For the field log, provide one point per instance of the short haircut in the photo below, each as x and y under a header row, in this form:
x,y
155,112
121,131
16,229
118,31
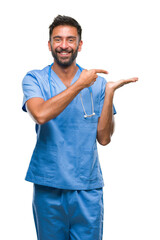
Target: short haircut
x,y
65,20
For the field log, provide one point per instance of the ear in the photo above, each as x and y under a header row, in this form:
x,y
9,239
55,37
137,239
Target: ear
x,y
49,45
80,46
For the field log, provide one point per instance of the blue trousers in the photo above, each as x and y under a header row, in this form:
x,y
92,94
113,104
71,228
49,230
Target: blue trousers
x,y
61,214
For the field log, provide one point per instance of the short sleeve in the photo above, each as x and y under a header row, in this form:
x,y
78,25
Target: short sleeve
x,y
31,88
104,82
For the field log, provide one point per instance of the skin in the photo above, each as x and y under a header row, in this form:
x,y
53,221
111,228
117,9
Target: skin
x,y
65,38
65,42
106,121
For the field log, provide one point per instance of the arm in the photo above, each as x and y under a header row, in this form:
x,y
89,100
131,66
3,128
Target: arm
x,y
43,111
105,127
106,121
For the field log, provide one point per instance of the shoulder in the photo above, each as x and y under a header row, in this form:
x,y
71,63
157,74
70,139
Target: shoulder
x,y
100,84
101,80
38,72
36,75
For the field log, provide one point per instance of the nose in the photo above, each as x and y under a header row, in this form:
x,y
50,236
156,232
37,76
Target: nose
x,y
64,44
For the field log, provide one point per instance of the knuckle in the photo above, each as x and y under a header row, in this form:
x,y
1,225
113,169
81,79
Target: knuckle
x,y
92,70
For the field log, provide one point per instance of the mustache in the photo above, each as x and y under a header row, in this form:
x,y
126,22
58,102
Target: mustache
x,y
64,50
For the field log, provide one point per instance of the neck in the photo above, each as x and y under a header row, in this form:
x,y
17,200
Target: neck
x,y
66,73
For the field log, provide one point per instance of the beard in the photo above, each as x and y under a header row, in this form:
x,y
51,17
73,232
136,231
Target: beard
x,y
65,62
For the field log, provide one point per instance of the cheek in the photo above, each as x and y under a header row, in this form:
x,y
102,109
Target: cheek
x,y
56,47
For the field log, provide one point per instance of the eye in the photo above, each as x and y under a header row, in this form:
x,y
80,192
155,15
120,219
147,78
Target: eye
x,y
71,40
57,40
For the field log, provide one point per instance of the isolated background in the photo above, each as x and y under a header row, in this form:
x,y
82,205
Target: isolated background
x,y
121,36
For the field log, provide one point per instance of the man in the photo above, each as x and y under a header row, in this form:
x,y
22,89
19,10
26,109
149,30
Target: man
x,y
72,108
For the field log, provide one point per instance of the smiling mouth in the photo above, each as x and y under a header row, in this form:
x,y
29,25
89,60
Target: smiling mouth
x,y
64,53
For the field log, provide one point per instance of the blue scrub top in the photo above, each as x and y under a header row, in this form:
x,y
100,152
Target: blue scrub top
x,y
65,155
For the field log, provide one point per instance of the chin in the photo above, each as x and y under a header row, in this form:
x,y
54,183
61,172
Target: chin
x,y
65,63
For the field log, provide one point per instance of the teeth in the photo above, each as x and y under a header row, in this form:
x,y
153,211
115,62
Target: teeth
x,y
64,53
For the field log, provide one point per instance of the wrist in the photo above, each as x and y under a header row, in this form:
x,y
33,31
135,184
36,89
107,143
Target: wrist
x,y
79,86
109,91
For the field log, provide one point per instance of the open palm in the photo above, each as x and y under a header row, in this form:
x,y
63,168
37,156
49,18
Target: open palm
x,y
120,83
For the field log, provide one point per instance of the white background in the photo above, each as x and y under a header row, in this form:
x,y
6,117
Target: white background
x,y
121,36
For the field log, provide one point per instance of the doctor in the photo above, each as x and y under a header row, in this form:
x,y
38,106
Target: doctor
x,y
73,109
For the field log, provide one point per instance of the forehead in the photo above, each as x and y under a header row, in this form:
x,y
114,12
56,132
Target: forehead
x,y
65,31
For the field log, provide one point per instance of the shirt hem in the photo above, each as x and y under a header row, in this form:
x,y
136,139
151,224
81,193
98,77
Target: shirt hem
x,y
48,183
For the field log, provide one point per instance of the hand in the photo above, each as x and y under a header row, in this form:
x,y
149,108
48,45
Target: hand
x,y
88,77
112,86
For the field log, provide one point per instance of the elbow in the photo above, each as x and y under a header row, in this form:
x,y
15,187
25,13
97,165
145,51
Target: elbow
x,y
42,119
39,119
37,114
103,138
105,142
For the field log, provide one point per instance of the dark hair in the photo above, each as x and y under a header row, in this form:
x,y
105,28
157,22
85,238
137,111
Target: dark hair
x,y
65,20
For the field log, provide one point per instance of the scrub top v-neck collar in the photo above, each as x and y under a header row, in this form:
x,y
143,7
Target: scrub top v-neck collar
x,y
55,78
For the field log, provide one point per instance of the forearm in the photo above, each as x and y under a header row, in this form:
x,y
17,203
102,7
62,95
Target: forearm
x,y
106,122
43,111
51,108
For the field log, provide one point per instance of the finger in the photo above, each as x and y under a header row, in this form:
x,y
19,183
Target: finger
x,y
101,71
132,79
125,81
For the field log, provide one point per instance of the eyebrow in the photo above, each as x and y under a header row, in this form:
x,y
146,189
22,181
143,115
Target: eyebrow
x,y
61,37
